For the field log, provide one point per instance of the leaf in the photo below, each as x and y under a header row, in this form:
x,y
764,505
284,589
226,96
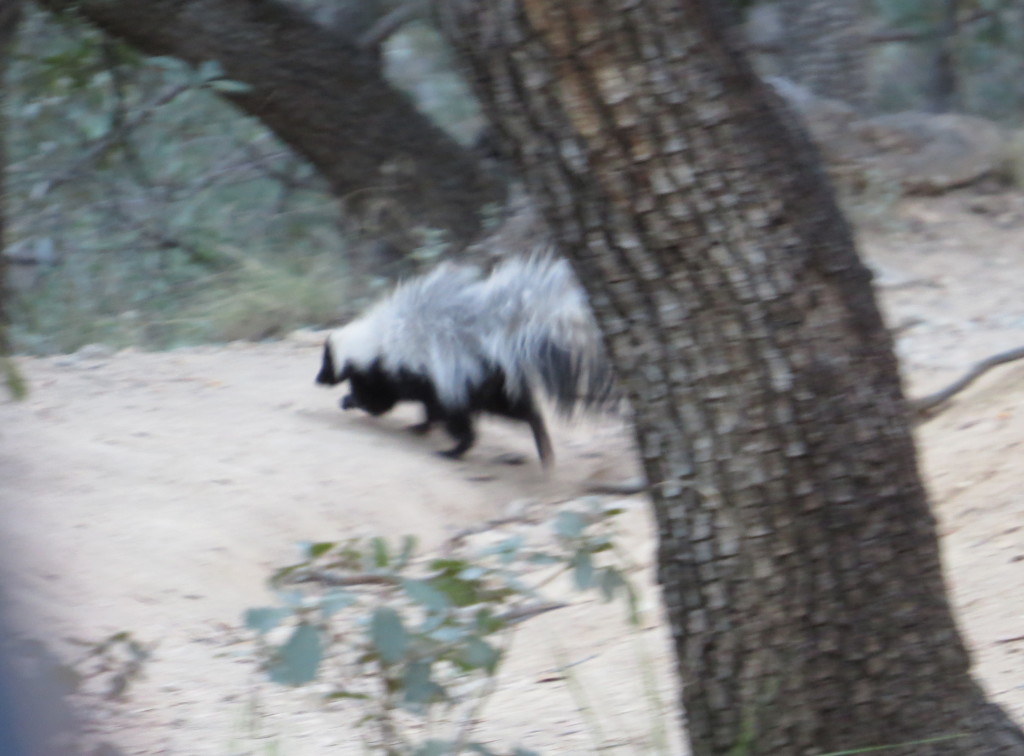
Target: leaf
x,y
569,524
487,623
292,599
517,586
264,619
446,634
278,577
335,601
423,593
168,63
380,552
472,573
449,566
388,635
209,69
432,621
480,748
94,125
229,86
610,581
418,686
583,570
435,748
633,602
506,548
314,550
479,654
408,549
297,660
343,694
542,557
459,592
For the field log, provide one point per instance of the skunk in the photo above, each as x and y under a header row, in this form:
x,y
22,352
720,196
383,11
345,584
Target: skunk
x,y
462,343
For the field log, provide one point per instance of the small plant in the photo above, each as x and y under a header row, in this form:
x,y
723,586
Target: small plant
x,y
114,663
420,640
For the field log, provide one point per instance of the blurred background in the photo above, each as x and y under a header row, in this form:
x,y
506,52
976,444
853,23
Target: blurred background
x,y
143,209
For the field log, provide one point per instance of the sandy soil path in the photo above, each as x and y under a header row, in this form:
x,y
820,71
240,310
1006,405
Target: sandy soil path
x,y
154,493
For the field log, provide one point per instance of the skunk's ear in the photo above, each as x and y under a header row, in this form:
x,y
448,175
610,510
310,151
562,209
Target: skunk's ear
x,y
326,375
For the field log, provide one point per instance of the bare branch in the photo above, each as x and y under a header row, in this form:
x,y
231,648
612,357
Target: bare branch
x,y
327,99
327,577
885,36
924,406
390,23
117,136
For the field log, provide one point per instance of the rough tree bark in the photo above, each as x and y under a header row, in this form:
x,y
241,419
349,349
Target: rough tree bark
x,y
942,90
323,94
10,15
798,556
824,47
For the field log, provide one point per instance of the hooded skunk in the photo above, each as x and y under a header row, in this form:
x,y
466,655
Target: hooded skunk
x,y
463,344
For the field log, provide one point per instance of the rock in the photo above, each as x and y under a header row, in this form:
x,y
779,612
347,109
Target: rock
x,y
923,153
1013,157
930,153
95,352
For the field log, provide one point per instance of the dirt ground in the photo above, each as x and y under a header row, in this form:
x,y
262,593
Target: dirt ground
x,y
155,493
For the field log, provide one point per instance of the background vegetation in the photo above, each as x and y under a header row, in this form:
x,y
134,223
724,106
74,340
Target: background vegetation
x,y
144,210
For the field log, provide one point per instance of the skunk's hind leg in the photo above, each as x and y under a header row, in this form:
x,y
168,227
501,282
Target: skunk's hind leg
x,y
540,437
524,408
460,427
432,414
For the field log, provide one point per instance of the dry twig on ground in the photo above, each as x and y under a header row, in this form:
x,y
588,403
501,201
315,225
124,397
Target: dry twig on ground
x,y
925,407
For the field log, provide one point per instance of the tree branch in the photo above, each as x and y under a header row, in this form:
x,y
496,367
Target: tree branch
x,y
118,135
390,23
923,407
325,97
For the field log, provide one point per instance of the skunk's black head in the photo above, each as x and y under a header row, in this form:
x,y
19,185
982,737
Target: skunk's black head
x,y
350,354
373,390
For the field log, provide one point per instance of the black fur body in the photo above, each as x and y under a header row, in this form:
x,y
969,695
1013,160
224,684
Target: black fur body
x,y
463,345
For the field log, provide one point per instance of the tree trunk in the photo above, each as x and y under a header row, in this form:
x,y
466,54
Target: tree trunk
x,y
824,47
942,89
396,173
798,557
10,15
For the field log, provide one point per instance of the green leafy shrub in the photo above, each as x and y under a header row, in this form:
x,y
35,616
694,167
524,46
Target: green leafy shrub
x,y
414,636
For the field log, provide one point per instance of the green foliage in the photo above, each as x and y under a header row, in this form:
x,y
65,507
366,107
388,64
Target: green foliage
x,y
13,379
297,660
155,214
429,634
909,15
985,48
115,663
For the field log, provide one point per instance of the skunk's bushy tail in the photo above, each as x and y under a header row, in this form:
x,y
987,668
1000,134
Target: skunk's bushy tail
x,y
539,330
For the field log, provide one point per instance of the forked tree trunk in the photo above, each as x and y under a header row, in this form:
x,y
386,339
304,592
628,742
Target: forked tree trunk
x,y
396,173
798,556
